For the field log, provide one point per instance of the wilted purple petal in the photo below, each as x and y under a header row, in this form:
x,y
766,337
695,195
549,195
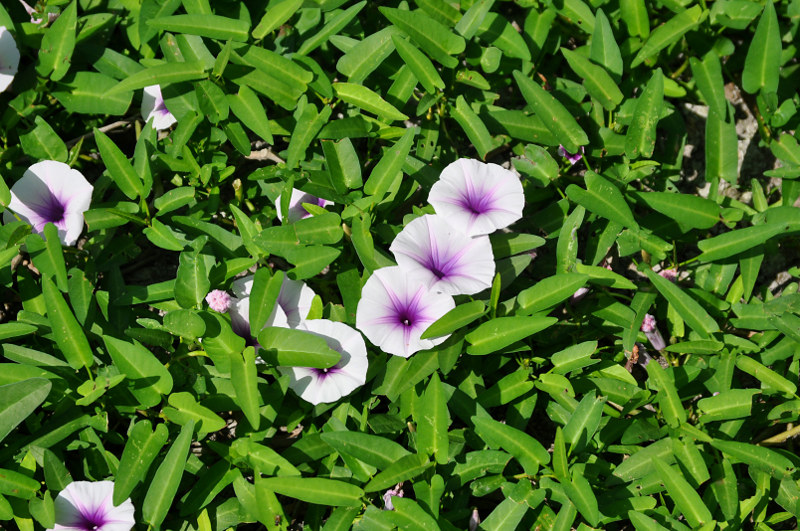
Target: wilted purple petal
x,y
88,506
395,310
329,385
51,192
296,209
479,198
153,106
397,490
670,274
571,157
651,331
9,58
444,258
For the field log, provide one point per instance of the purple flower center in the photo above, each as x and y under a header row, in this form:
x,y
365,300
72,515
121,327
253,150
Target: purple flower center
x,y
92,519
324,373
51,209
161,107
475,201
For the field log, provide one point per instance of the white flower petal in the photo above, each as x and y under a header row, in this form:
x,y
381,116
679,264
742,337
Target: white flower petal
x,y
9,58
479,197
242,287
153,106
444,258
316,386
395,309
296,209
51,191
82,500
295,300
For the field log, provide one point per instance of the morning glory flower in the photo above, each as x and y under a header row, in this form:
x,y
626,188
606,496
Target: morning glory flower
x,y
395,310
88,506
296,210
571,157
443,257
329,385
9,58
479,198
153,106
51,192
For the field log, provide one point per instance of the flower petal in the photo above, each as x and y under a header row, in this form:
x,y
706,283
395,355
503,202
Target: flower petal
x,y
479,197
9,58
295,300
91,501
443,257
296,209
153,106
395,309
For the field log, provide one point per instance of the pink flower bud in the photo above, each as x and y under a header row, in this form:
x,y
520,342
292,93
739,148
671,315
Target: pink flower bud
x,y
652,333
219,301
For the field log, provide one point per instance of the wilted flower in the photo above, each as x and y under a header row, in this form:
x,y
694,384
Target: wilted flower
x,y
88,506
474,520
296,209
329,385
9,58
571,157
652,333
670,274
51,192
395,310
477,197
444,258
153,106
218,300
397,490
40,18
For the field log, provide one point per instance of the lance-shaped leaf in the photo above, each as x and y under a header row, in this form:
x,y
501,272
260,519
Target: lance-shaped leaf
x,y
602,198
245,385
162,75
263,296
433,37
722,148
405,468
420,65
553,114
765,375
363,58
763,62
321,491
766,459
549,291
371,449
336,24
598,83
737,241
68,334
635,17
472,125
671,407
58,43
296,348
604,49
366,99
525,449
140,451
20,399
192,282
501,332
688,308
204,25
640,139
119,168
167,478
433,419
686,499
275,16
691,211
308,125
387,169
455,319
138,363
669,33
708,76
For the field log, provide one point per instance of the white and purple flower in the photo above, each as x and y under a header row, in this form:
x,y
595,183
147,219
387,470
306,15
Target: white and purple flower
x,y
296,209
153,106
9,58
329,385
51,192
88,506
395,310
444,258
478,197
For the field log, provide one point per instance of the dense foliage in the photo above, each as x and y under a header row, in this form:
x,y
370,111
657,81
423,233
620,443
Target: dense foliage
x,y
631,361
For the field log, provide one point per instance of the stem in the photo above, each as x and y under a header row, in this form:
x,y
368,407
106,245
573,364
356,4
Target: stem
x,y
782,437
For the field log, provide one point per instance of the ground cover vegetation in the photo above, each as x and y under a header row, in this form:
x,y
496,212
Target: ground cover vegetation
x,y
327,264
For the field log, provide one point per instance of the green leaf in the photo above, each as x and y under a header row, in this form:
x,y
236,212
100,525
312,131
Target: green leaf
x,y
420,65
433,421
671,406
192,282
408,514
472,125
371,449
321,491
602,198
296,348
187,409
141,449
163,75
553,114
138,363
640,139
403,469
635,17
58,43
763,62
366,99
691,211
174,199
598,83
88,93
737,241
669,33
580,493
549,291
501,332
722,148
167,478
18,400
118,166
212,101
726,491
211,26
308,125
68,334
708,76
245,384
337,23
433,37
17,484
387,169
263,297
343,164
604,49
470,21
584,422
525,449
47,255
686,499
363,58
691,312
275,17
43,142
574,357
457,318
766,376
759,457
247,108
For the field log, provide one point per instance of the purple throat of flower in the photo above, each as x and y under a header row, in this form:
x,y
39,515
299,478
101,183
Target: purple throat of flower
x,y
324,373
51,209
477,203
92,519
